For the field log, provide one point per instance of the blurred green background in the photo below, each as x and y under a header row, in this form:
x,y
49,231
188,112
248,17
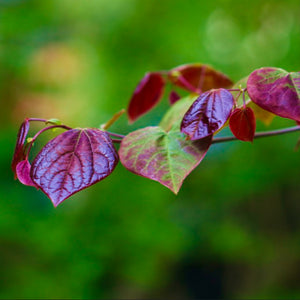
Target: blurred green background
x,y
233,231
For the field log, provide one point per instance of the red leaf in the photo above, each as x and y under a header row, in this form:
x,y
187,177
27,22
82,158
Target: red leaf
x,y
198,77
207,114
146,95
19,154
72,161
23,173
242,124
173,97
277,91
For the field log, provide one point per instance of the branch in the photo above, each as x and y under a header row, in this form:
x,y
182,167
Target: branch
x,y
257,135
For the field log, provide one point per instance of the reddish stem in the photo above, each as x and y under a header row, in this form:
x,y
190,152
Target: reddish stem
x,y
40,132
257,135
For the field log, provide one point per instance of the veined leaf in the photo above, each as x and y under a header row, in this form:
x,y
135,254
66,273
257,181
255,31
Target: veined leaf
x,y
72,161
277,91
242,124
146,95
207,114
166,157
198,77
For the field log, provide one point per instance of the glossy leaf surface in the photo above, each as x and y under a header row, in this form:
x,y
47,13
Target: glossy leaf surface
x,y
242,124
166,157
277,91
73,161
19,154
146,95
23,173
207,114
198,77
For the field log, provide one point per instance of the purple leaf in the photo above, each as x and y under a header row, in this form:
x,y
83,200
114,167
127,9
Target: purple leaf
x,y
207,114
146,95
23,173
277,91
72,161
166,157
19,154
173,97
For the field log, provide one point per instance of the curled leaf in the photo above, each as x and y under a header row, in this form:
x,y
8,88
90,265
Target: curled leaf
x,y
166,157
277,91
198,77
72,161
242,124
207,114
146,95
23,173
19,153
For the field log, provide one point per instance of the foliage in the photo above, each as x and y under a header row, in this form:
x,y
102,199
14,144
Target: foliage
x,y
78,158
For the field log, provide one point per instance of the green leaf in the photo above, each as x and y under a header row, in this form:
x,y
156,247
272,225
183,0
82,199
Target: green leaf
x,y
166,157
176,112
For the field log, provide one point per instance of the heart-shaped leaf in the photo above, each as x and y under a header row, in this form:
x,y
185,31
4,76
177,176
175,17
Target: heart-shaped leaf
x,y
207,114
198,77
23,173
277,91
242,124
19,154
146,95
72,161
166,157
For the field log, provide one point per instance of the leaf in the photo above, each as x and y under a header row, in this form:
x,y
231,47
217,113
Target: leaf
x,y
173,97
23,173
176,112
19,153
166,157
72,161
242,124
207,114
261,114
277,91
146,95
198,77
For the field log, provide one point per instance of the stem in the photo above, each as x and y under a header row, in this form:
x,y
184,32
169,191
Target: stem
x,y
234,90
115,117
37,119
41,131
116,134
257,135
